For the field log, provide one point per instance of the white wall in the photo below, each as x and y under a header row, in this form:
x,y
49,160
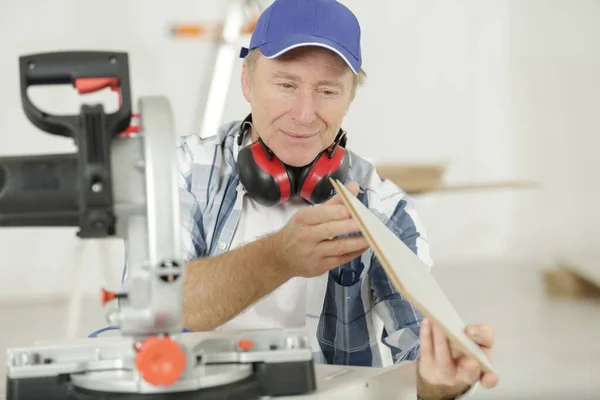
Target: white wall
x,y
555,96
499,89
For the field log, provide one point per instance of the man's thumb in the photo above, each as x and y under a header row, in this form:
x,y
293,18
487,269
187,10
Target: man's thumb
x,y
337,199
353,187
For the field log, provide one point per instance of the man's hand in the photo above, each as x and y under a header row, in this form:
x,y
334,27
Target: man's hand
x,y
446,372
309,245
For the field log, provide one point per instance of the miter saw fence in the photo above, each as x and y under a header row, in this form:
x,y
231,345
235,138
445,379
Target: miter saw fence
x,y
122,182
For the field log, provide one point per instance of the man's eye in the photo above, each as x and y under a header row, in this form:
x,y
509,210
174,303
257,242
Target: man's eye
x,y
287,85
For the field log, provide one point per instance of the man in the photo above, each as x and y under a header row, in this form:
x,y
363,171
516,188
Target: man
x,y
268,247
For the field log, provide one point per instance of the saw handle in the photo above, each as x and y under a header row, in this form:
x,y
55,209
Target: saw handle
x,y
73,68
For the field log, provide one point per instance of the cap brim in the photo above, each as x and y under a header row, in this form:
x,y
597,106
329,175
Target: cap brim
x,y
275,48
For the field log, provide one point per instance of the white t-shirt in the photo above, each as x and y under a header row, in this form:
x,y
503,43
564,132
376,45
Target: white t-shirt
x,y
285,306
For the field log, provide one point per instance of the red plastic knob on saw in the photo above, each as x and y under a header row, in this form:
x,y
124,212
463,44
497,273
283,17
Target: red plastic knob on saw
x,y
160,361
107,296
245,344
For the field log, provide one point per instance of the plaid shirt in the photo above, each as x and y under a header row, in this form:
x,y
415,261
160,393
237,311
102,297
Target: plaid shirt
x,y
342,305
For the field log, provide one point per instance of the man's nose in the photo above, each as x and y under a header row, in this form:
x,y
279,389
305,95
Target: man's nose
x,y
305,108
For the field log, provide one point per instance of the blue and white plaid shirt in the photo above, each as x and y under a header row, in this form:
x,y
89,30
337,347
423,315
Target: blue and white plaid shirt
x,y
342,305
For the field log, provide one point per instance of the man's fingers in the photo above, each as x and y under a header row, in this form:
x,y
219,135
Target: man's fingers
x,y
353,188
481,334
337,199
468,370
336,261
331,230
489,380
443,358
343,246
325,213
455,351
488,352
427,359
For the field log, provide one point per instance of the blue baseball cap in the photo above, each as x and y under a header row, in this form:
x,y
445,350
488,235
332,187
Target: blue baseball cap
x,y
288,24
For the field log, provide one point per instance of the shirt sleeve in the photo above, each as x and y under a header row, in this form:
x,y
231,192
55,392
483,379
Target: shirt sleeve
x,y
469,393
465,396
400,319
193,243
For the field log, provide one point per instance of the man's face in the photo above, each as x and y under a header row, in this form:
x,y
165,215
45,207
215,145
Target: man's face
x,y
298,101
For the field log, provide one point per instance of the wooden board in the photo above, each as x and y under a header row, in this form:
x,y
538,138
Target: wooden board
x,y
565,283
414,178
583,265
411,277
417,179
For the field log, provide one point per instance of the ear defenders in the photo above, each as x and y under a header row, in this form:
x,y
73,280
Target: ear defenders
x,y
269,181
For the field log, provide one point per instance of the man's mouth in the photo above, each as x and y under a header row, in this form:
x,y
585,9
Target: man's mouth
x,y
298,136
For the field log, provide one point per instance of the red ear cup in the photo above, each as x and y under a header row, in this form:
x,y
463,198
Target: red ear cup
x,y
269,182
314,181
263,175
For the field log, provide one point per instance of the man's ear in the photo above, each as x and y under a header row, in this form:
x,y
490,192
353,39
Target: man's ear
x,y
246,83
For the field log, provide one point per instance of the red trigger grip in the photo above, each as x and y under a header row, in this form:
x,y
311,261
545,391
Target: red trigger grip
x,y
89,85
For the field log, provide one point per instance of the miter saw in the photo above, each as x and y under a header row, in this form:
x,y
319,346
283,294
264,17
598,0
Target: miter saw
x,y
125,185
122,182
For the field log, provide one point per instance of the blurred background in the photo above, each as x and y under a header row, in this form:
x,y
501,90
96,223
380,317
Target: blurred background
x,y
487,93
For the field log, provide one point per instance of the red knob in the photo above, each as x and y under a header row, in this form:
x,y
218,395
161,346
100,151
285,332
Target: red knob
x,y
107,296
245,344
160,361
